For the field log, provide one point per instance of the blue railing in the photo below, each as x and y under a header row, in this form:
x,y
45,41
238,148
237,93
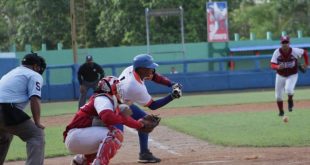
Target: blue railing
x,y
224,78
185,65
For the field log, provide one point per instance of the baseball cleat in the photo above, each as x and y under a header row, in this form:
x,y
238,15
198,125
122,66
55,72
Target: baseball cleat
x,y
281,113
79,160
148,157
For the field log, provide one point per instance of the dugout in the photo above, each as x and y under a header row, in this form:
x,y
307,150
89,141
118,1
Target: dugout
x,y
258,48
8,61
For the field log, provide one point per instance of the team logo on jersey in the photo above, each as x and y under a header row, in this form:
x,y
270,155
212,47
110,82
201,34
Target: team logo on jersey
x,y
289,64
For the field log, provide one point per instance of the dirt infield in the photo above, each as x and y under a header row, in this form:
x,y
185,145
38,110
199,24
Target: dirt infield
x,y
176,148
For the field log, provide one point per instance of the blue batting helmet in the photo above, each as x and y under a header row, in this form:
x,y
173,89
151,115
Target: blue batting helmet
x,y
144,61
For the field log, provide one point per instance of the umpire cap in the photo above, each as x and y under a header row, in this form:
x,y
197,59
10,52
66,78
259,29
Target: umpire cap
x,y
34,58
89,58
144,61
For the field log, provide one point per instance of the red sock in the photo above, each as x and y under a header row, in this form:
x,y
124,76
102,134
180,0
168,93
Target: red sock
x,y
280,105
90,158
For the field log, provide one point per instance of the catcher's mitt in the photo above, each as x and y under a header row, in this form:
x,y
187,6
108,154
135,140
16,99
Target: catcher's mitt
x,y
149,123
301,68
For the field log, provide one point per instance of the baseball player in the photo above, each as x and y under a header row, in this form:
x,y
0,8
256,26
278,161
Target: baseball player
x,y
17,88
91,132
133,90
285,61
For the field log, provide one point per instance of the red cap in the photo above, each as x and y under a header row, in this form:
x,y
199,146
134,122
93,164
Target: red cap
x,y
285,39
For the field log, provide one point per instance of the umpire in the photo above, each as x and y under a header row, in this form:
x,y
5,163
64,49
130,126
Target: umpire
x,y
89,75
17,88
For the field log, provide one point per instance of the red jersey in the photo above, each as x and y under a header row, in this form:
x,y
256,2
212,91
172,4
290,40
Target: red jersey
x,y
102,106
288,60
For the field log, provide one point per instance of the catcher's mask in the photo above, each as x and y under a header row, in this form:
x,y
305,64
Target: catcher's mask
x,y
34,59
109,85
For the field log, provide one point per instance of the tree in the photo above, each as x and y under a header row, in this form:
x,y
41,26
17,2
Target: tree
x,y
293,15
274,16
123,22
104,23
43,21
252,18
8,19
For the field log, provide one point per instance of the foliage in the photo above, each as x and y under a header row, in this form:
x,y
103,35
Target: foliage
x,y
274,16
253,19
4,34
102,23
7,23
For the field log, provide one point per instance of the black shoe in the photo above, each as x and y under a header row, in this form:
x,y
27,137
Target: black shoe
x,y
290,105
281,113
148,157
79,159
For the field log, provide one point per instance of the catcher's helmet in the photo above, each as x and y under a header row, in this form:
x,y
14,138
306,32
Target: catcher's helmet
x,y
110,86
144,61
34,58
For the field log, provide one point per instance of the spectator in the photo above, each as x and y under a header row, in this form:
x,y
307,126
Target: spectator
x,y
89,75
173,70
17,88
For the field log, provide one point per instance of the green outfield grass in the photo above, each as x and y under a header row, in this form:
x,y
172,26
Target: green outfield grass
x,y
188,100
261,129
54,145
233,97
255,129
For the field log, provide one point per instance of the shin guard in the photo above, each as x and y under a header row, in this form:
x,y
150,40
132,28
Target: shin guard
x,y
108,147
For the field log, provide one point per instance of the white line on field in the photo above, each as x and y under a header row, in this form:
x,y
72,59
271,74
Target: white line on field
x,y
155,143
211,162
300,162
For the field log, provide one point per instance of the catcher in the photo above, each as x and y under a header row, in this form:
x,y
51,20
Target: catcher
x,y
285,61
91,134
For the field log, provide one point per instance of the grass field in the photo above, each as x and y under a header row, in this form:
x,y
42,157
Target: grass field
x,y
259,129
188,100
254,129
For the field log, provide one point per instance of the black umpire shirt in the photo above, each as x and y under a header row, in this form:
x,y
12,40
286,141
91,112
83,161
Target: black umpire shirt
x,y
90,72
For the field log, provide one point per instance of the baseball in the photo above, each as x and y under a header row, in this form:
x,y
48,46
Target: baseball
x,y
285,119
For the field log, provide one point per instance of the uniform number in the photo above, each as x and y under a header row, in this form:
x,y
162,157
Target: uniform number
x,y
38,86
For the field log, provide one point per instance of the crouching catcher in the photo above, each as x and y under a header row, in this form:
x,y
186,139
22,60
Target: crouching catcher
x,y
91,134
